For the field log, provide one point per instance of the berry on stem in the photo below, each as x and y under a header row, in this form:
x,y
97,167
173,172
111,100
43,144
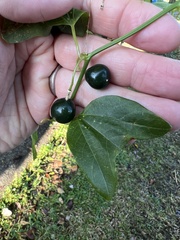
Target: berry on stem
x,y
98,76
63,110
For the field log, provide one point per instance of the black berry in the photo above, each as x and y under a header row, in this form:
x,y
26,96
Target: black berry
x,y
62,110
98,76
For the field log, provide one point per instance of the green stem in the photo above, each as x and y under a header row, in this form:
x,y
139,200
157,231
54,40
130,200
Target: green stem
x,y
134,31
86,62
75,39
118,40
73,76
34,140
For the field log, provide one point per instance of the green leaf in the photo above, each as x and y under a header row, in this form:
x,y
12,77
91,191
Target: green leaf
x,y
13,32
100,132
95,155
77,18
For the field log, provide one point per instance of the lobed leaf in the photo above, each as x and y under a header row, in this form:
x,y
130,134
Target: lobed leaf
x,y
99,133
13,32
77,18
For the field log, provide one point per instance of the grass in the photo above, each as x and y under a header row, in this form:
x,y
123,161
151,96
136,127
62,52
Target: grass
x,y
53,200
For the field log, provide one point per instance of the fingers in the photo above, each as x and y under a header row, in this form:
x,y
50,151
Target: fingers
x,y
165,108
113,21
147,73
117,19
36,11
36,78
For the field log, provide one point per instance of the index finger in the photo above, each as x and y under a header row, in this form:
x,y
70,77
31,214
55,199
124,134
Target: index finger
x,y
118,18
36,11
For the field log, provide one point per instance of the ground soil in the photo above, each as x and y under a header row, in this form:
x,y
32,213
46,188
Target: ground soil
x,y
13,162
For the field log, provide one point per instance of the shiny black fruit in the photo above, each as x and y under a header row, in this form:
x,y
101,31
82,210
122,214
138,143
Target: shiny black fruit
x,y
98,76
62,110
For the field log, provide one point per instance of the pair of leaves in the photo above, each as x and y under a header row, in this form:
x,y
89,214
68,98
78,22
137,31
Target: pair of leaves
x,y
100,132
13,32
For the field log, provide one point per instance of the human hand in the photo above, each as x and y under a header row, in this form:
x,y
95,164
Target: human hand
x,y
25,68
156,79
25,96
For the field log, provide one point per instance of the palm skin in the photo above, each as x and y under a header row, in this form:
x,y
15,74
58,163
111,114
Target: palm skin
x,y
25,97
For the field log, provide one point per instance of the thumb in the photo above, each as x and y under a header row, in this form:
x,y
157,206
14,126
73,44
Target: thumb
x,y
36,11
